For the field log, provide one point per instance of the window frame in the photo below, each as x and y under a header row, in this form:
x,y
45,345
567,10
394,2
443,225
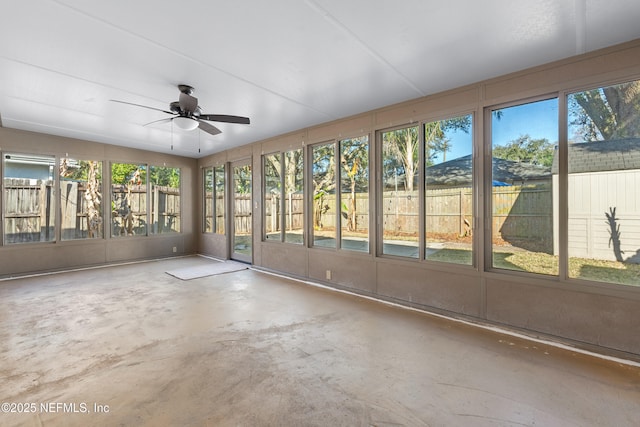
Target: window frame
x,y
205,171
102,204
280,204
147,215
220,170
283,234
473,187
487,185
339,185
564,186
153,228
336,236
55,198
420,192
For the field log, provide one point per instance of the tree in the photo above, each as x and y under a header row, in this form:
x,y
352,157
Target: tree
x,y
89,172
400,151
293,169
354,158
435,136
527,150
122,173
435,141
324,181
164,176
401,147
607,113
242,179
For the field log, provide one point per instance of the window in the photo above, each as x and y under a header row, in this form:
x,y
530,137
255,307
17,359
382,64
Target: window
x,y
272,197
341,216
448,148
128,199
213,200
354,194
400,199
29,198
219,199
208,219
242,226
324,195
165,199
81,199
294,196
603,181
284,193
523,145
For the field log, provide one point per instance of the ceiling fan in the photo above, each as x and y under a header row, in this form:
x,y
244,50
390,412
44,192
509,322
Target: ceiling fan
x,y
187,114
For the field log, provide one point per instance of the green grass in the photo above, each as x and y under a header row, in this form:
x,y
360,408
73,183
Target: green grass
x,y
541,263
456,256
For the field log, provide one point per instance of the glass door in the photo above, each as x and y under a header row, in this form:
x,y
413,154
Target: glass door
x,y
241,228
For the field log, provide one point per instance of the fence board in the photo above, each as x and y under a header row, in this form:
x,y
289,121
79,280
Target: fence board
x,y
29,214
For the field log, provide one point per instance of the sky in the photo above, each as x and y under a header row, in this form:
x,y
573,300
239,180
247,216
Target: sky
x,y
536,119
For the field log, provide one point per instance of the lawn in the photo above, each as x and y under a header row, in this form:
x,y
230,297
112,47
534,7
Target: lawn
x,y
542,263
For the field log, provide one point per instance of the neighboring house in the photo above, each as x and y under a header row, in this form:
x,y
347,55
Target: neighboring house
x,y
27,200
28,167
458,173
603,200
602,156
522,202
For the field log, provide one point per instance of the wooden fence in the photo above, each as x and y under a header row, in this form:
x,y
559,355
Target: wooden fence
x,y
449,211
129,210
209,221
242,210
30,213
294,212
522,215
165,209
74,217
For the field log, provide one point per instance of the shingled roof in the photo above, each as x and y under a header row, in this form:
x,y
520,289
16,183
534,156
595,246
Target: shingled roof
x,y
457,172
600,156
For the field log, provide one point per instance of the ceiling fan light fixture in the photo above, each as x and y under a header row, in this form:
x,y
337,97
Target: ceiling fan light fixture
x,y
187,115
185,123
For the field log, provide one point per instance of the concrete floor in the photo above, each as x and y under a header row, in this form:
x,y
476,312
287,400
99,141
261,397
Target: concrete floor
x,y
131,345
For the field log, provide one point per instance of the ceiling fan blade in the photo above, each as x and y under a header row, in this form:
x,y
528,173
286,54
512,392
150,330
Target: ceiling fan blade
x,y
143,106
160,121
225,118
209,128
188,103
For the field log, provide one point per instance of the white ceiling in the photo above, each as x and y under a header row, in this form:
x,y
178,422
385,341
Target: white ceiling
x,y
286,64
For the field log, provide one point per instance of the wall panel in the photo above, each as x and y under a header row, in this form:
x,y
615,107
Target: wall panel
x,y
606,321
284,257
450,291
433,107
353,271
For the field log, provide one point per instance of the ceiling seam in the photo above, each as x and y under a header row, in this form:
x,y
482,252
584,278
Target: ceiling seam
x,y
336,23
178,53
71,76
581,26
89,136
